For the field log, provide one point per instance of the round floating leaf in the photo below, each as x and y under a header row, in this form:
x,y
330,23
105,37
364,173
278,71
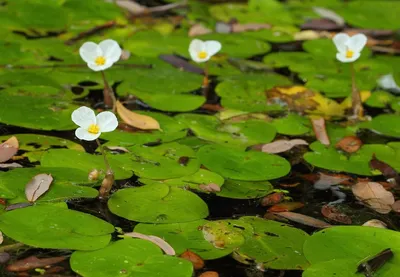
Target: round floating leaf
x,y
63,187
52,227
276,245
86,162
245,189
347,268
292,125
246,92
201,177
185,236
385,124
163,161
130,258
240,165
157,204
380,99
241,134
23,79
171,130
353,243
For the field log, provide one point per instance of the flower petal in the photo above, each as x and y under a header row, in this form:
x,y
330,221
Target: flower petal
x,y
107,121
111,50
195,47
340,40
213,47
83,117
357,42
93,66
83,134
342,57
89,51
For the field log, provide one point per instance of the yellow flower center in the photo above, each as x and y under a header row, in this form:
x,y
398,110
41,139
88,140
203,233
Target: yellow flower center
x,y
349,54
100,60
202,55
94,129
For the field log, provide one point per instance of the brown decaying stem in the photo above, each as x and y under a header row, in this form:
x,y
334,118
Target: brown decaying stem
x,y
355,95
108,93
108,181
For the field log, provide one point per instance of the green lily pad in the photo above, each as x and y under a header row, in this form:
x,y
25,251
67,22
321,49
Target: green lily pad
x,y
52,227
245,189
67,158
292,125
246,92
131,258
276,245
384,124
239,134
163,161
185,236
353,243
395,105
225,234
157,204
24,79
240,165
171,130
379,99
64,185
201,177
347,268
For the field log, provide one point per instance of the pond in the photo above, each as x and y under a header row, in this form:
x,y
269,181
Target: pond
x,y
199,138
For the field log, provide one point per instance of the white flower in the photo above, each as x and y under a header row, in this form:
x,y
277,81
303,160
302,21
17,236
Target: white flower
x,y
100,56
387,82
202,51
349,48
90,125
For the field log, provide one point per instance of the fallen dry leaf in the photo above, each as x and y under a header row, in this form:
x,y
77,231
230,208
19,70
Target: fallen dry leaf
x,y
329,14
11,165
272,199
165,246
332,213
209,274
118,148
350,144
285,207
195,259
198,30
8,149
1,237
387,171
136,120
304,219
210,187
325,181
374,195
18,206
375,223
282,145
37,186
33,262
320,130
396,206
238,28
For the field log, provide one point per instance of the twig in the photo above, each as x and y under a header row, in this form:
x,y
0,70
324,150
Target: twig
x,y
91,32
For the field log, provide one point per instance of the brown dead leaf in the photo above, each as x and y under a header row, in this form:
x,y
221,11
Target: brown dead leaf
x,y
375,223
11,165
272,199
33,262
198,30
1,237
118,148
165,246
285,207
387,171
209,274
332,213
210,187
8,149
325,181
396,206
37,186
238,28
282,145
195,259
374,195
296,98
304,219
350,144
136,120
320,130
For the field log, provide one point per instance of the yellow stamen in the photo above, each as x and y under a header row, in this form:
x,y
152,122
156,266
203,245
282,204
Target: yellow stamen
x,y
349,54
100,60
94,129
202,55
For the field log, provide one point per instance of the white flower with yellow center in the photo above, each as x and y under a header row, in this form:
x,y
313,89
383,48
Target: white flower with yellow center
x,y
349,48
201,51
90,125
100,56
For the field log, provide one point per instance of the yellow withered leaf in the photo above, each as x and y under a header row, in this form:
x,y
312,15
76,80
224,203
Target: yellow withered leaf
x,y
136,120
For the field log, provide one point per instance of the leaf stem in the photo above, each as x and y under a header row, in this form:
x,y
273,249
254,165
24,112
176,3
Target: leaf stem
x,y
108,181
355,95
206,81
108,93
